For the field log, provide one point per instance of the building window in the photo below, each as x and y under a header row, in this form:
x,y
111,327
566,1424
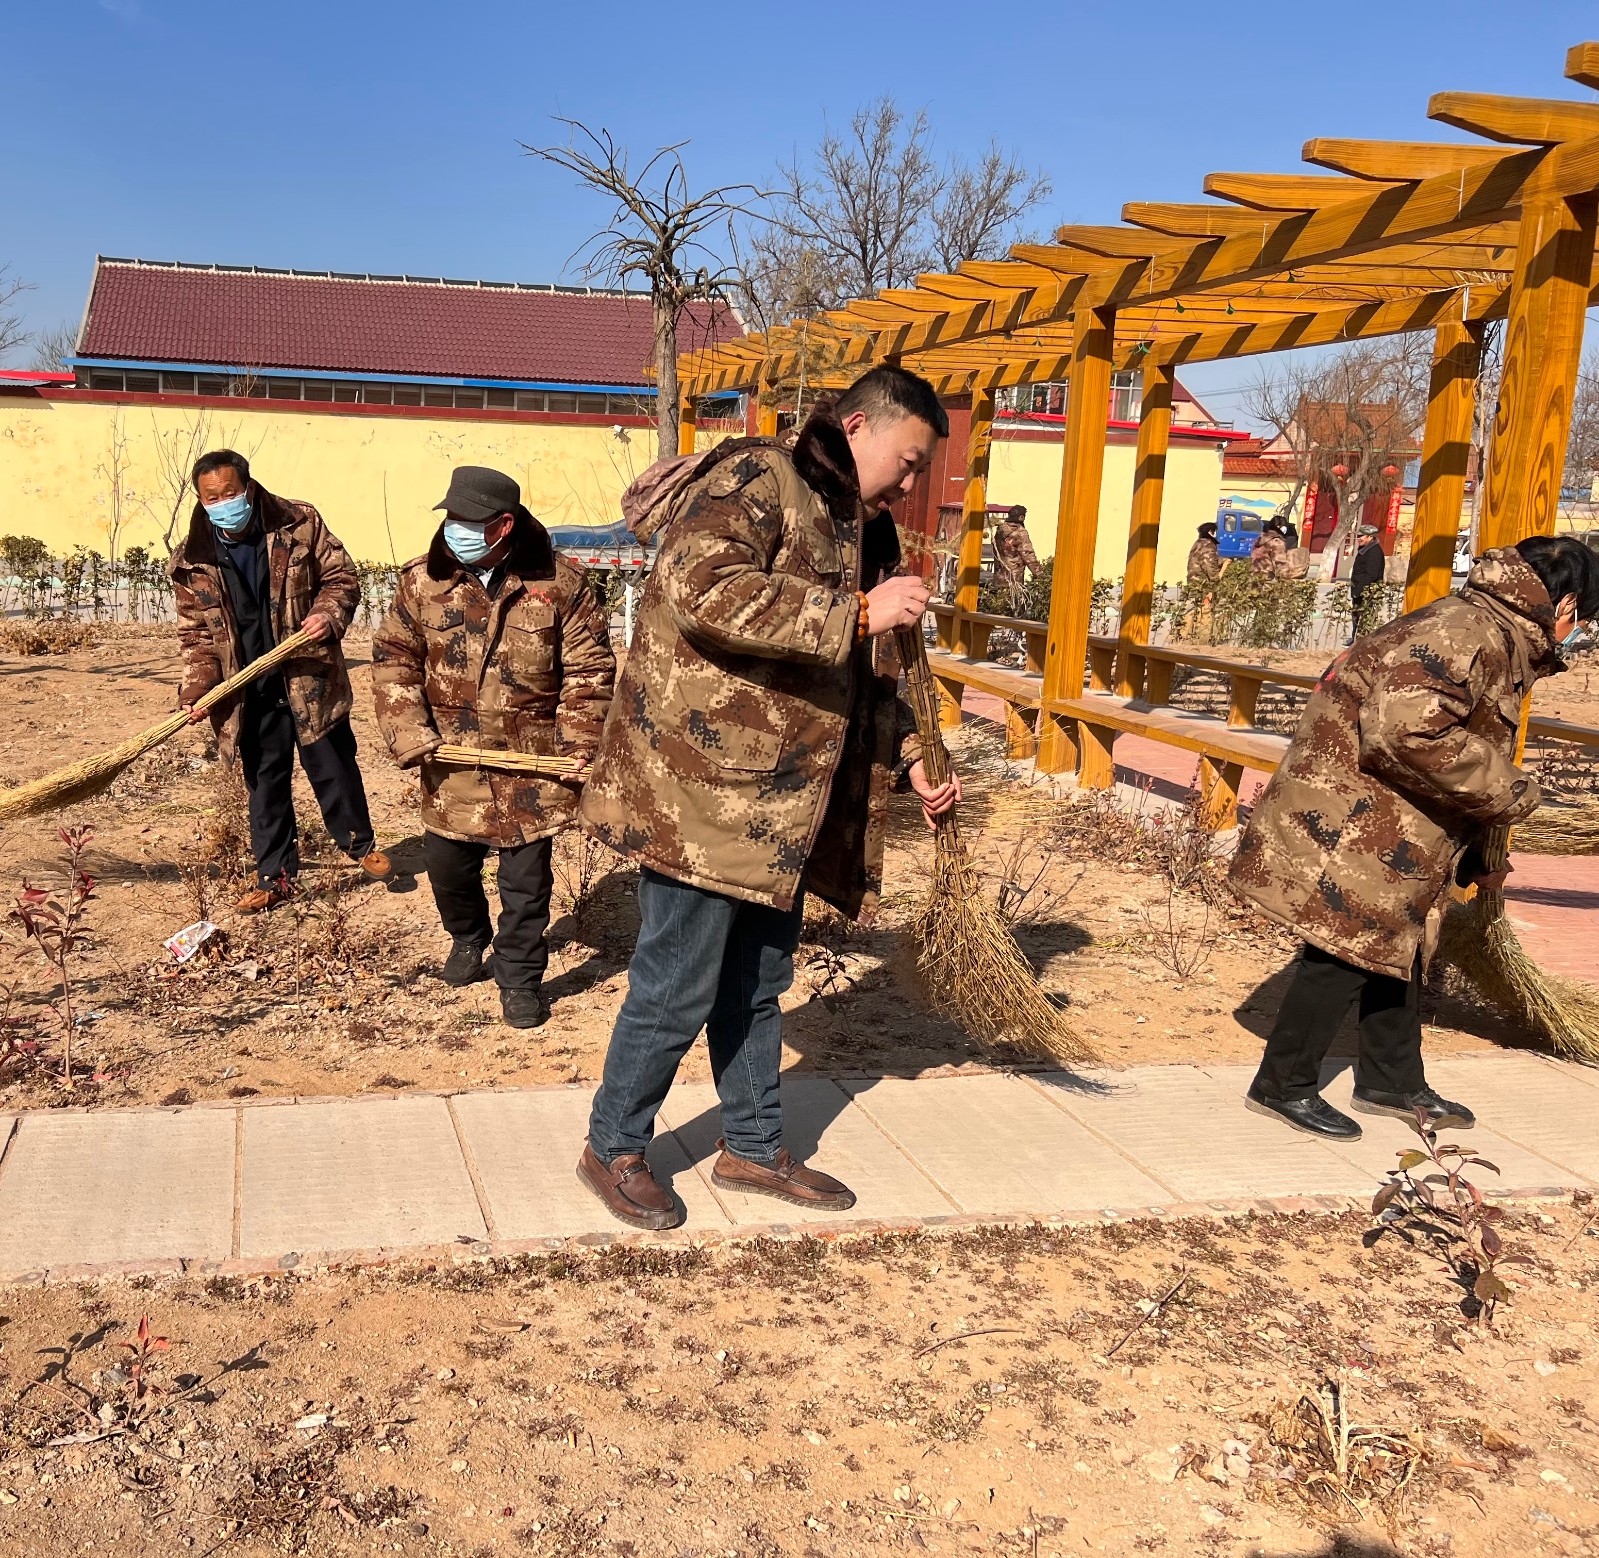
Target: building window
x,y
144,383
530,400
407,395
378,394
317,389
105,378
346,393
561,402
177,383
283,389
592,405
469,399
630,405
212,384
502,400
438,397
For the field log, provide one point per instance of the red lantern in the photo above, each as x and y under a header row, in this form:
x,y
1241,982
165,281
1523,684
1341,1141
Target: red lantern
x,y
1340,471
1390,471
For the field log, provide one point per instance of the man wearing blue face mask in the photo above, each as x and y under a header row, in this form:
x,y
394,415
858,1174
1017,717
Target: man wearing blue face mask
x,y
253,569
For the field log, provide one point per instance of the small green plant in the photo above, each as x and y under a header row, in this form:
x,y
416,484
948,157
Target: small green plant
x,y
1451,1212
54,923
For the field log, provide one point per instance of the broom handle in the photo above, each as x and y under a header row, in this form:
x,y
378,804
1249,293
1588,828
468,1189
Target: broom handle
x,y
923,692
270,661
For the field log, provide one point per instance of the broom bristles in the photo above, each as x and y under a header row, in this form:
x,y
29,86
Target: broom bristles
x,y
549,764
1479,940
969,960
89,776
1561,829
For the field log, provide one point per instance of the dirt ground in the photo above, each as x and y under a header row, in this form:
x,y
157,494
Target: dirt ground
x,y
1124,1389
337,994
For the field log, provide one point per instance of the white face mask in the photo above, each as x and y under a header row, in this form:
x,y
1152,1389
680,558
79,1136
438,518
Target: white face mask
x,y
468,539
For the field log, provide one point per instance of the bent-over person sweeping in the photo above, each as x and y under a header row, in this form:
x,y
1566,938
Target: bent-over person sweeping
x,y
747,760
1403,761
493,643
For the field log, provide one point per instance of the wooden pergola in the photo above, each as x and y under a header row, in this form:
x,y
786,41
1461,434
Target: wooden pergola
x,y
1395,237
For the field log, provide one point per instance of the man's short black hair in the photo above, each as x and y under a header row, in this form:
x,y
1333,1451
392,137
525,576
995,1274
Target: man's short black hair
x,y
1017,513
895,392
220,460
1208,530
1566,567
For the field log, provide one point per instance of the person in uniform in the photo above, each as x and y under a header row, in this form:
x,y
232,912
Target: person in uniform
x,y
494,643
1402,762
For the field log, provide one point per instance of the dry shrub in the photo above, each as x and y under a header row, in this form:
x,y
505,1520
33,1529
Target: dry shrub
x,y
1339,1467
46,637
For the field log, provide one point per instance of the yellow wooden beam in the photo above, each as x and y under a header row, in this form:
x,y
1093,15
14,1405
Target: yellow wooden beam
x,y
1194,221
1394,161
1542,357
974,512
1115,242
1445,455
1143,532
1582,64
1537,121
685,425
1077,524
1284,192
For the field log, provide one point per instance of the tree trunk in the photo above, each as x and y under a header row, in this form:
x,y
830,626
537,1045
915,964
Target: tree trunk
x,y
664,318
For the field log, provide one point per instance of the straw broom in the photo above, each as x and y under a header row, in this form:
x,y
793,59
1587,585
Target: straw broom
x,y
78,781
546,765
1478,940
973,968
1560,828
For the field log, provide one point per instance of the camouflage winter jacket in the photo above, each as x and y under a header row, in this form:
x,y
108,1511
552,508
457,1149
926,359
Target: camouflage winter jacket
x,y
1013,551
310,572
752,739
528,670
1270,556
1204,562
1402,760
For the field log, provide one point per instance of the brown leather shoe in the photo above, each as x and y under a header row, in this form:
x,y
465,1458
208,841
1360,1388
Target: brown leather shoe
x,y
787,1178
376,865
629,1190
259,899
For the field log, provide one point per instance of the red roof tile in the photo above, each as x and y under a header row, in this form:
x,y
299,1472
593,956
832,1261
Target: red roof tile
x,y
331,324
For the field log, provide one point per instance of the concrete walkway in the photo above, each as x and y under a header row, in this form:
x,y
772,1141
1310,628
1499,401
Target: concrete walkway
x,y
264,1185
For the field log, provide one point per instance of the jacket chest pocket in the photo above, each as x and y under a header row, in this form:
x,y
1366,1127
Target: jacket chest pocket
x,y
814,553
530,650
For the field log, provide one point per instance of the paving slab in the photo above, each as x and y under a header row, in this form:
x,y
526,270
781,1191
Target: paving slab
x,y
358,1173
1385,1138
525,1148
819,1124
1189,1129
111,1186
998,1144
1546,1108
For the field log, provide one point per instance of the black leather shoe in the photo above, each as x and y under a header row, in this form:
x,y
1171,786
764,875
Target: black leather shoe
x,y
524,1008
1313,1115
1441,1113
464,966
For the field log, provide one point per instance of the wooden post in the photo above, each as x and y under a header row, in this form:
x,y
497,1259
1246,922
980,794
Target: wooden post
x,y
1076,527
1543,351
766,422
1143,533
974,515
685,426
1445,453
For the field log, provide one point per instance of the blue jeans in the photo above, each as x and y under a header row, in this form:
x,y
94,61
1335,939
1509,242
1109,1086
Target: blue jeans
x,y
702,961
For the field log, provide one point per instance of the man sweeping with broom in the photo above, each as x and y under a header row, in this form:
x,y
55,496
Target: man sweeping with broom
x,y
747,760
1402,763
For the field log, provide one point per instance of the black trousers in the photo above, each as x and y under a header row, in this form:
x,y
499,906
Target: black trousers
x,y
267,744
455,873
1318,1000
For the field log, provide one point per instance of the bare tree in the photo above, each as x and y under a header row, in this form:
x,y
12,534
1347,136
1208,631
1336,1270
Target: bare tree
x,y
657,230
1582,452
1347,420
873,208
11,332
51,348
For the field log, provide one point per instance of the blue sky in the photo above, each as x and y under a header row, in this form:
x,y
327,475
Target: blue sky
x,y
359,136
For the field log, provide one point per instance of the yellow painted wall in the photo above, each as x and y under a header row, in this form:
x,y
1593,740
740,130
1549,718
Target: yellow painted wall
x,y
64,465
1028,471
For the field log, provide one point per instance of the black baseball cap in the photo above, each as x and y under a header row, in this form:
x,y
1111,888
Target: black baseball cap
x,y
479,493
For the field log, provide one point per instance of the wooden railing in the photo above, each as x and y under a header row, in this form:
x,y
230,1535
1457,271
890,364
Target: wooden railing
x,y
1224,748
